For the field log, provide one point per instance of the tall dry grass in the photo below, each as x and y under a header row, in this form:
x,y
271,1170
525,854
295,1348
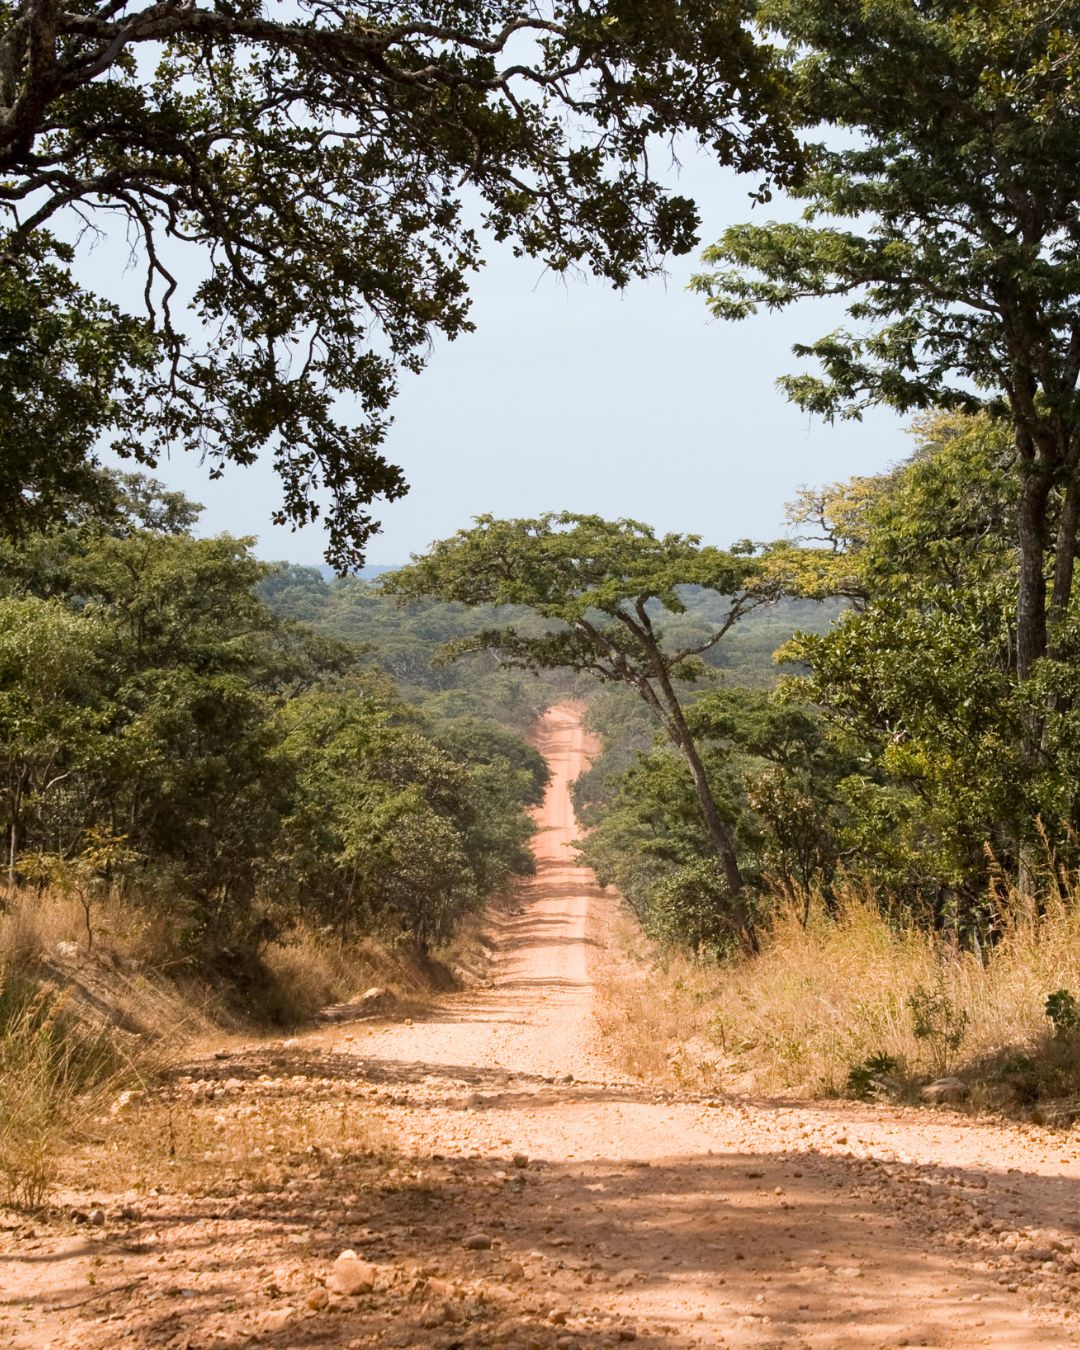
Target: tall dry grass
x,y
826,997
82,1019
56,1071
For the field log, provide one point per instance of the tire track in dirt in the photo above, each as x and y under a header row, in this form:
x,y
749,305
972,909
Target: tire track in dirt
x,y
638,1215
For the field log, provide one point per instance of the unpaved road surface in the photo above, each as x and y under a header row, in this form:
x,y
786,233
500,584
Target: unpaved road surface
x,y
629,1214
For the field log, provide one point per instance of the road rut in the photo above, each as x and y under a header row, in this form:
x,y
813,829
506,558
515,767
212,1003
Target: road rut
x,y
538,1199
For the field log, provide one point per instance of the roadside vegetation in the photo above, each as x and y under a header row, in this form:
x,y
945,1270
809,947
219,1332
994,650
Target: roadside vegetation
x,y
903,903
839,787
205,798
846,1003
167,739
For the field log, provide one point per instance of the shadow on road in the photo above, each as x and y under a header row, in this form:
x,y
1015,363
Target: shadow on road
x,y
600,1241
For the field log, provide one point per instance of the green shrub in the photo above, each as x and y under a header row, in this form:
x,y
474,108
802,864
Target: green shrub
x,y
1064,1013
863,1079
939,1022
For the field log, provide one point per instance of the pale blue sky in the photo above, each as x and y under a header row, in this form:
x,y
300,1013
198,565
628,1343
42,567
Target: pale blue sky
x,y
571,395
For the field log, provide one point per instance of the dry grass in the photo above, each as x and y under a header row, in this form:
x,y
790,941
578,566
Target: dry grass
x,y
138,976
654,1010
255,1142
75,1030
56,1069
82,1022
824,999
89,1018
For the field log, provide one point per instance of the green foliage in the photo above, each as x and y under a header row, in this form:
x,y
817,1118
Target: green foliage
x,y
72,368
305,171
1063,1010
864,1079
939,1023
952,196
486,745
162,732
51,713
390,831
901,752
937,270
607,600
920,677
773,768
689,905
403,640
601,594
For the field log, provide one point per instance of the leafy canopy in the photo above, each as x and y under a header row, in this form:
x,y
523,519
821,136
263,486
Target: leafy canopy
x,y
316,167
958,168
921,677
946,210
772,767
603,588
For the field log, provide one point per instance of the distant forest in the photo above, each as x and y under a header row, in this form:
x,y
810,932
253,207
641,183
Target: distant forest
x,y
403,640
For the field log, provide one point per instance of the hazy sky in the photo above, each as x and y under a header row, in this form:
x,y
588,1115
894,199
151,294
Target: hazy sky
x,y
571,395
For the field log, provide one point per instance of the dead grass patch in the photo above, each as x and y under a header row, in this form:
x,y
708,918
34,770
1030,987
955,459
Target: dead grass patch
x,y
55,1068
654,1012
82,1024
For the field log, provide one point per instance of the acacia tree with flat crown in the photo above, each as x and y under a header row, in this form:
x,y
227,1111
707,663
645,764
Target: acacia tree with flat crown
x,y
947,212
310,181
603,588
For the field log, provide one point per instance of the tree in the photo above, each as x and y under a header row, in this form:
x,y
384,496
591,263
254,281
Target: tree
x,y
602,589
773,769
50,718
389,830
921,678
72,519
322,162
957,164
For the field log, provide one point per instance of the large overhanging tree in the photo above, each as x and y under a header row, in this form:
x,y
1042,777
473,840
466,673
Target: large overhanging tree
x,y
325,165
604,589
954,174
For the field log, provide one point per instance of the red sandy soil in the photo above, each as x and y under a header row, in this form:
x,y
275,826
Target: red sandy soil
x,y
630,1214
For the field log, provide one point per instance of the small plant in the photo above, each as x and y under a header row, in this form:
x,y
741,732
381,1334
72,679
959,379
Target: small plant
x,y
864,1079
1064,1013
86,877
939,1023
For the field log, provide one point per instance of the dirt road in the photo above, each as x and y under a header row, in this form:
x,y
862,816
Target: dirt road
x,y
626,1215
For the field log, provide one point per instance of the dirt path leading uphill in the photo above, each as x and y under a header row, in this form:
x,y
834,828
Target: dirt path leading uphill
x,y
637,1215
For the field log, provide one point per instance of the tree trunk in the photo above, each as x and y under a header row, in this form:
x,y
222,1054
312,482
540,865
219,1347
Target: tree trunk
x,y
719,834
668,710
1031,602
15,797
